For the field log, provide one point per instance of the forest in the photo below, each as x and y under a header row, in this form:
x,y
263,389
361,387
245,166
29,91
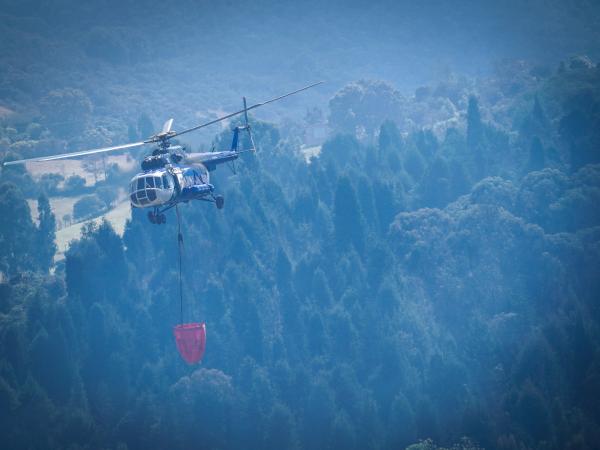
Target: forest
x,y
427,280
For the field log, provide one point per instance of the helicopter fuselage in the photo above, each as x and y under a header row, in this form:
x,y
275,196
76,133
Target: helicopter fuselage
x,y
169,185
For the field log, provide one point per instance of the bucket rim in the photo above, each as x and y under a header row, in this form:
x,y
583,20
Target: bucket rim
x,y
189,326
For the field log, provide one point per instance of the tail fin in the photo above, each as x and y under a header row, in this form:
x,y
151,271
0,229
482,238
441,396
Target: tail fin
x,y
167,126
245,127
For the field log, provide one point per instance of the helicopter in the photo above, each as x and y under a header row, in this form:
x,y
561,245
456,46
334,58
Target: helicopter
x,y
170,175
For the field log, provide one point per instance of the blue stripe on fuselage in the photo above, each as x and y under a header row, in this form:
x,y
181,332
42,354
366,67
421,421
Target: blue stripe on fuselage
x,y
196,191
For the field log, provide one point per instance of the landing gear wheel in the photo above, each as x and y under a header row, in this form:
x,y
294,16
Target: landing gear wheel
x,y
156,218
219,201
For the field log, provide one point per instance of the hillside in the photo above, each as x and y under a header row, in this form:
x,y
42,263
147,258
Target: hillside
x,y
421,273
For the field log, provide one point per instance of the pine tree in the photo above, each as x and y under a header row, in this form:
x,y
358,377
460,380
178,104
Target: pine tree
x,y
475,135
537,160
132,133
145,126
348,220
46,233
474,124
16,231
538,112
401,427
390,139
280,428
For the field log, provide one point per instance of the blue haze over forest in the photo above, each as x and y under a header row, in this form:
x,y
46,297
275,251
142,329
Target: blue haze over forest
x,y
410,260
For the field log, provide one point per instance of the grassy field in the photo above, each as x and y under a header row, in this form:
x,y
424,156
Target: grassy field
x,y
117,216
84,168
62,206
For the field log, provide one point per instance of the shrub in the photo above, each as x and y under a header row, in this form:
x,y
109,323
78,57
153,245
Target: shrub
x,y
87,206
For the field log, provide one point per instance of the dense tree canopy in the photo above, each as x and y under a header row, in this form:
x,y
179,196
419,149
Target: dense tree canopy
x,y
428,280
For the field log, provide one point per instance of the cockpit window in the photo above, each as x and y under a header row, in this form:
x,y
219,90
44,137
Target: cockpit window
x,y
145,186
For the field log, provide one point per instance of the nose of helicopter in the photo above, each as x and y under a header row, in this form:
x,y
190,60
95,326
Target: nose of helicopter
x,y
150,189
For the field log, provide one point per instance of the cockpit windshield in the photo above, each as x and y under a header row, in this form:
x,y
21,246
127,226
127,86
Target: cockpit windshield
x,y
144,188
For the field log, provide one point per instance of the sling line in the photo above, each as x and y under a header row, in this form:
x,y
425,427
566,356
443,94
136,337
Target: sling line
x,y
180,250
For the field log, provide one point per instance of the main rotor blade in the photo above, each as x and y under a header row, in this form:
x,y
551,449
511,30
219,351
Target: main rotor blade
x,y
245,110
74,154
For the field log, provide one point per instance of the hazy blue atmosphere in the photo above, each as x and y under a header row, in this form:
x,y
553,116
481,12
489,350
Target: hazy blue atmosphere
x,y
411,259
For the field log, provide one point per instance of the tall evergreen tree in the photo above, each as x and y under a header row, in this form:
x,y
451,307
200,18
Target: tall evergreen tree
x,y
145,127
348,220
538,112
16,231
474,124
390,145
537,160
389,137
475,135
46,233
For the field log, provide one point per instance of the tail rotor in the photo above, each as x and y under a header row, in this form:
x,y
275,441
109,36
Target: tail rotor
x,y
247,127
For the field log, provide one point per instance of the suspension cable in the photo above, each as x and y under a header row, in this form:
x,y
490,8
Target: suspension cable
x,y
180,250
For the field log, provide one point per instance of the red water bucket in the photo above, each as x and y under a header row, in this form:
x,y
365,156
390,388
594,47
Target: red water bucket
x,y
191,341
